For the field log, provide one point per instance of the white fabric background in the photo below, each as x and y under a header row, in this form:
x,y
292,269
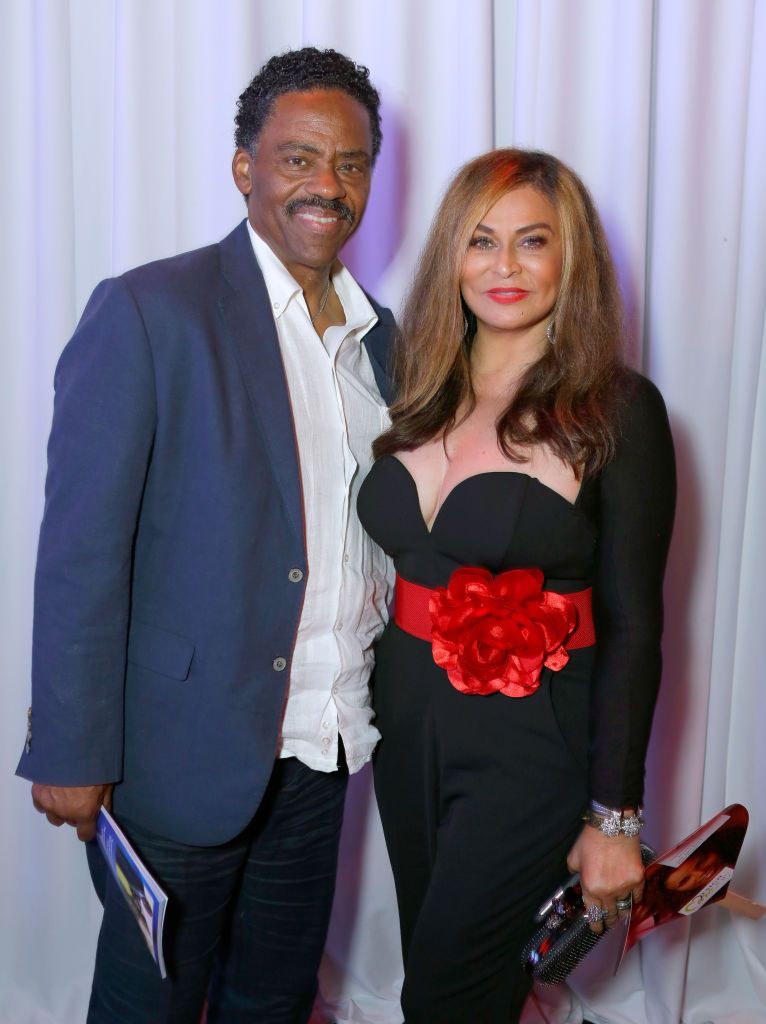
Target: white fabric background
x,y
116,126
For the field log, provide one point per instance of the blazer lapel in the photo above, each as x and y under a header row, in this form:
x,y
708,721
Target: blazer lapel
x,y
246,310
379,345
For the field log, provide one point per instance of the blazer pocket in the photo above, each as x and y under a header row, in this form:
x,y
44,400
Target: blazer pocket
x,y
159,651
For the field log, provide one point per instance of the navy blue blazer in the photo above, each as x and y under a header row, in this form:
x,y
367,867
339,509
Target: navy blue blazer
x,y
165,614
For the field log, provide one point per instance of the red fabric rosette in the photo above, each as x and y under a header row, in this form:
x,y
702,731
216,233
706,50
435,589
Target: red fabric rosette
x,y
494,634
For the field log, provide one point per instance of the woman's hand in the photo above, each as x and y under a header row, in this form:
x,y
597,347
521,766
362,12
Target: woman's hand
x,y
610,868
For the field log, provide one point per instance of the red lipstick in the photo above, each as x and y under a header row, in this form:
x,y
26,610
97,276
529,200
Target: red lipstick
x,y
505,296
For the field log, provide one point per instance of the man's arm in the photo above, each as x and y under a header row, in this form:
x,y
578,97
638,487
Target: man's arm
x,y
98,455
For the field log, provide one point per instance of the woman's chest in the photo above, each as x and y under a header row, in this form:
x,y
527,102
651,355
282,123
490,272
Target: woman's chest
x,y
472,448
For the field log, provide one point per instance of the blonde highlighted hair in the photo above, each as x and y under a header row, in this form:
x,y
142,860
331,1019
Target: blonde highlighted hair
x,y
567,398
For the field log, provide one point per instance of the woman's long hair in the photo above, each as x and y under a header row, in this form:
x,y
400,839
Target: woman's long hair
x,y
567,398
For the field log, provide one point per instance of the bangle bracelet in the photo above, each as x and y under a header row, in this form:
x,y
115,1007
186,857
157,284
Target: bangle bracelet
x,y
613,822
607,811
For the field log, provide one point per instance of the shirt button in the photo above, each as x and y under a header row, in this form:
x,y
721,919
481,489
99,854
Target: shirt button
x,y
340,626
335,689
325,725
276,305
346,558
295,575
279,664
324,753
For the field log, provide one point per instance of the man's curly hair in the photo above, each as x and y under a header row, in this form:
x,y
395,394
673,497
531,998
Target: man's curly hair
x,y
301,71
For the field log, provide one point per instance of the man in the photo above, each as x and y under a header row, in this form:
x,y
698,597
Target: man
x,y
206,600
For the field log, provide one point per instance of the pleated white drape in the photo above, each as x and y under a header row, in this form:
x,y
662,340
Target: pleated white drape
x,y
116,127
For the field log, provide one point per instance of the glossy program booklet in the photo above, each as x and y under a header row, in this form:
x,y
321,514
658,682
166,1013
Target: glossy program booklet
x,y
690,875
145,898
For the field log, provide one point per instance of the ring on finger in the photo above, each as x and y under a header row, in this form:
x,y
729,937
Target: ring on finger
x,y
625,903
596,914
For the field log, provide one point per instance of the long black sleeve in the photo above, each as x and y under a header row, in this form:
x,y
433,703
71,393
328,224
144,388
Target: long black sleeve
x,y
636,506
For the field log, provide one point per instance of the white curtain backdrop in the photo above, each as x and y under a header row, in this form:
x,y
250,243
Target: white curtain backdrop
x,y
116,133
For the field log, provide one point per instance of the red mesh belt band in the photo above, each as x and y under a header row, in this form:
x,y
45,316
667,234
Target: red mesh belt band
x,y
412,613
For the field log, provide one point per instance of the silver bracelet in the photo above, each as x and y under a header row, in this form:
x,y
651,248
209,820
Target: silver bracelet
x,y
613,821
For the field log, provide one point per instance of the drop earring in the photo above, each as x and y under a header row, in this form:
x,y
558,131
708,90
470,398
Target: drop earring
x,y
550,333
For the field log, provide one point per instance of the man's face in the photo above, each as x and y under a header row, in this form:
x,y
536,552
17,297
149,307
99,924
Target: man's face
x,y
309,178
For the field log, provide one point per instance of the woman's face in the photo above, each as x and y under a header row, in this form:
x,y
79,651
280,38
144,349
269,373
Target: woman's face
x,y
512,270
695,872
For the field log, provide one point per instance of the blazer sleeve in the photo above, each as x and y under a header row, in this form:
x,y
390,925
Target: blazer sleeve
x,y
98,453
637,504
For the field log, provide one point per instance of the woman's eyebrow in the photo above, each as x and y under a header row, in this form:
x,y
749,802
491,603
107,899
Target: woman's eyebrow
x,y
519,231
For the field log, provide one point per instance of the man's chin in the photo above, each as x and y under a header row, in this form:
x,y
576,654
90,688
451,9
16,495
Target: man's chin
x,y
319,251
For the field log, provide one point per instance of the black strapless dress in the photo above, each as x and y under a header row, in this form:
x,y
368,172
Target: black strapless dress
x,y
481,796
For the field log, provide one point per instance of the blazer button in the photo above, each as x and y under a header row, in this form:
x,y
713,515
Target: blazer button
x,y
295,575
279,664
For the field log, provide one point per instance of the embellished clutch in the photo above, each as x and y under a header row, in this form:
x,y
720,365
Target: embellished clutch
x,y
563,937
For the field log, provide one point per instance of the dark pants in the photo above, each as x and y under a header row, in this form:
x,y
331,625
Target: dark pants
x,y
246,922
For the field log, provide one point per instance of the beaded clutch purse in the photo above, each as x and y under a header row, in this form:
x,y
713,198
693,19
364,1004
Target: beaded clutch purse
x,y
563,937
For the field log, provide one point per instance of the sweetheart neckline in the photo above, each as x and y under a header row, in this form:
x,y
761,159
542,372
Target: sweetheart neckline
x,y
571,505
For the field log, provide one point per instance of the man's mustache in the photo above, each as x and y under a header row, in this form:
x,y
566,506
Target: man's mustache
x,y
332,205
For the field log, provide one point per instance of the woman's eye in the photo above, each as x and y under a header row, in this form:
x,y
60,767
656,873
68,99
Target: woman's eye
x,y
481,242
534,241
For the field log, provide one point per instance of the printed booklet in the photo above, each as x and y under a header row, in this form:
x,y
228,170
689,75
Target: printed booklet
x,y
145,898
690,875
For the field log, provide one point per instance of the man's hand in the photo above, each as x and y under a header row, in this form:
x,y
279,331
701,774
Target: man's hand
x,y
72,805
610,869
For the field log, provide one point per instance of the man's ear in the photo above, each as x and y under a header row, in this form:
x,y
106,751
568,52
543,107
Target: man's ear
x,y
242,171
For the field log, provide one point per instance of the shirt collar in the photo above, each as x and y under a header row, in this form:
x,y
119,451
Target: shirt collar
x,y
280,283
283,289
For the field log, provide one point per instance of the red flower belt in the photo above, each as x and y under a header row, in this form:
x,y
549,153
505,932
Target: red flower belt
x,y
495,634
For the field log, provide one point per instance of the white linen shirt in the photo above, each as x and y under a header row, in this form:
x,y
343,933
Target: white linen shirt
x,y
338,412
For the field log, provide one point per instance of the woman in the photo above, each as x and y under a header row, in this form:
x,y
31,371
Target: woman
x,y
527,469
